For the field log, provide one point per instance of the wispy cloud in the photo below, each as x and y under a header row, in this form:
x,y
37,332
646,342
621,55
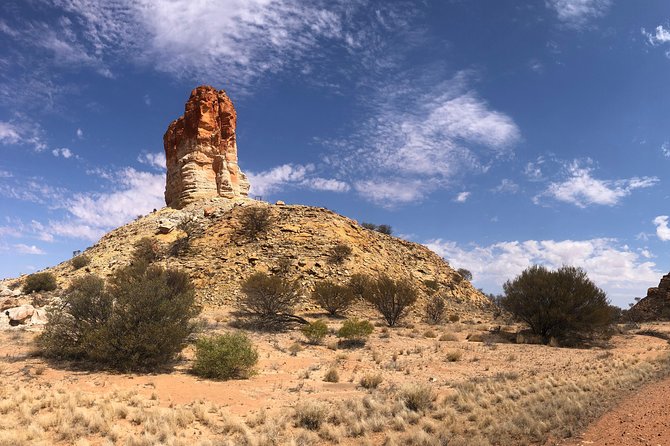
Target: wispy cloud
x,y
622,272
659,36
28,249
580,188
506,186
577,13
63,152
423,131
22,133
292,176
462,197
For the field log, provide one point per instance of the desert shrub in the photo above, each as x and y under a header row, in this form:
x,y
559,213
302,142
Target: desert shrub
x,y
254,222
454,317
74,327
392,298
139,320
454,355
358,284
416,397
80,261
339,254
270,299
331,376
294,349
39,282
371,381
147,250
333,298
448,337
227,356
436,307
283,267
432,285
557,303
384,229
310,415
429,334
315,331
465,274
355,332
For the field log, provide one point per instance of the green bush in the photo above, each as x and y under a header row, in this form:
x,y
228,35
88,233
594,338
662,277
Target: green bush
x,y
80,261
315,331
39,282
139,320
227,356
254,222
560,304
392,298
270,299
333,298
339,254
355,332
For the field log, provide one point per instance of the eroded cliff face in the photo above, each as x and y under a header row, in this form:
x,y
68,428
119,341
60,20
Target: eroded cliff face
x,y
201,151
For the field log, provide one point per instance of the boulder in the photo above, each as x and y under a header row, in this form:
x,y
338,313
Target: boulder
x,y
20,315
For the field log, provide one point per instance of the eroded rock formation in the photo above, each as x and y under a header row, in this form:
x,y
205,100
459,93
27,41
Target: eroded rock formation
x,y
201,151
656,305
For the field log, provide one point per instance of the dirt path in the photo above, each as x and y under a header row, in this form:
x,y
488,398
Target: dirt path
x,y
640,420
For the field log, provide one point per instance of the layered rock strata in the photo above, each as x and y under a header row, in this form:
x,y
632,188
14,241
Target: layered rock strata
x,y
201,151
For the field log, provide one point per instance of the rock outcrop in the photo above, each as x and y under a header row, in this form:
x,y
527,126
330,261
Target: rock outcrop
x,y
656,305
201,151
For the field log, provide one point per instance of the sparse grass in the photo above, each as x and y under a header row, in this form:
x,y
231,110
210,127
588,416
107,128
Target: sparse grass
x,y
454,355
310,415
331,376
448,337
416,397
371,381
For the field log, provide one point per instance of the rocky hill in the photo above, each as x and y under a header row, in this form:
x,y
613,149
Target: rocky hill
x,y
199,231
656,305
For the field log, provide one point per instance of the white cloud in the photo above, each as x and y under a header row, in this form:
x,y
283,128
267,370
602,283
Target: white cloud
x,y
388,193
153,159
660,35
80,133
92,214
462,197
662,229
577,13
423,131
581,189
665,149
620,271
292,175
28,249
64,152
250,38
506,186
27,133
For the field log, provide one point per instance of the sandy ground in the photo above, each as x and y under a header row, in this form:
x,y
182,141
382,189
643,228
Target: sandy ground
x,y
642,419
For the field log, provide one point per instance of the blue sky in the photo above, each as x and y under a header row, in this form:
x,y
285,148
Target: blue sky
x,y
501,134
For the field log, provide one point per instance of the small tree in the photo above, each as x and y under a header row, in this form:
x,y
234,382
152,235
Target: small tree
x,y
270,299
465,274
254,221
39,282
227,356
392,298
333,298
558,303
436,307
385,229
339,254
359,284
